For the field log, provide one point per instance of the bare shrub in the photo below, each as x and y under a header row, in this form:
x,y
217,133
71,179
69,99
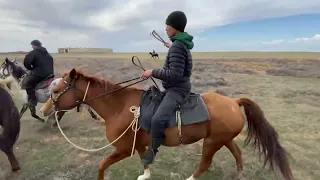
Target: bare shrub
x,y
212,82
218,67
222,92
307,68
288,93
282,72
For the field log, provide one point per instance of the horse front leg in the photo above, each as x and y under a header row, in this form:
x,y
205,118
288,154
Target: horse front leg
x,y
59,114
114,157
146,172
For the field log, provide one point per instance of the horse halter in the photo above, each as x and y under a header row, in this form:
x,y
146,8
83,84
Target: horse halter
x,y
4,67
70,85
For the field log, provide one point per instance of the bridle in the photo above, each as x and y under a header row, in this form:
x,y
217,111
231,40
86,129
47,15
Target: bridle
x,y
72,85
5,66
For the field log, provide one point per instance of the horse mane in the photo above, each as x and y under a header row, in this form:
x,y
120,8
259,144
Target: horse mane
x,y
99,82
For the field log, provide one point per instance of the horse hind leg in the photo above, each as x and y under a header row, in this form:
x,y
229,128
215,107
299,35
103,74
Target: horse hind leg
x,y
210,147
236,152
15,167
7,147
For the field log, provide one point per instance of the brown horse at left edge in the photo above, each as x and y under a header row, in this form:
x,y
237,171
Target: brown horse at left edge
x,y
225,123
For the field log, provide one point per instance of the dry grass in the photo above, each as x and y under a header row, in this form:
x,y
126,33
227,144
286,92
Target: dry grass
x,y
291,104
196,55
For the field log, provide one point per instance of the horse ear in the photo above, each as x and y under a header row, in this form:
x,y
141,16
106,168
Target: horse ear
x,y
73,74
14,60
6,60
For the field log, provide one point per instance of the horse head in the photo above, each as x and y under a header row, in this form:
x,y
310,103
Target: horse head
x,y
6,69
74,87
70,90
11,68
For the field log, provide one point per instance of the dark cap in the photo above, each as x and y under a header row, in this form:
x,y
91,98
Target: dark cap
x,y
177,20
36,43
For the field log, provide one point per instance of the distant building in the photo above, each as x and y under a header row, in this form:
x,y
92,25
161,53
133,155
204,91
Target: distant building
x,y
85,50
15,52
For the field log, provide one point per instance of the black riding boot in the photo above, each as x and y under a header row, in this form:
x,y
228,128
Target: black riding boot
x,y
152,151
32,98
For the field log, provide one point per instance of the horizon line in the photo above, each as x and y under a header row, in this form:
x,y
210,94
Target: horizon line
x,y
22,52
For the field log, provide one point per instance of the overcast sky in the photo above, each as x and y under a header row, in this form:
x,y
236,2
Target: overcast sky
x,y
125,25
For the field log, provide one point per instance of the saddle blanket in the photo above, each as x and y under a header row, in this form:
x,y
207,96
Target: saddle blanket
x,y
194,110
42,85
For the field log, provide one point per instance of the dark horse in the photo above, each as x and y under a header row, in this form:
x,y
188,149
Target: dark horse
x,y
10,122
153,55
43,89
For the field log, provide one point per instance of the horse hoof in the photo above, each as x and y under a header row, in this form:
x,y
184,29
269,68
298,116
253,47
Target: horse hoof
x,y
240,177
146,175
16,171
54,125
142,177
191,178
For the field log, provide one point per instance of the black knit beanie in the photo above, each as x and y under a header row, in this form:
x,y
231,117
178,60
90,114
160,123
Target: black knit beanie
x,y
177,20
36,43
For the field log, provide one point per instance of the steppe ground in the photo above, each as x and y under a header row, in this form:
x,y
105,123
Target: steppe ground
x,y
285,85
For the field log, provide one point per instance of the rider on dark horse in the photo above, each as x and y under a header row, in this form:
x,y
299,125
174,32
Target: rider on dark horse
x,y
175,77
40,64
153,52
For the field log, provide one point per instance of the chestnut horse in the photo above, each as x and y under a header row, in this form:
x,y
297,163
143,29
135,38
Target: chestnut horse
x,y
112,102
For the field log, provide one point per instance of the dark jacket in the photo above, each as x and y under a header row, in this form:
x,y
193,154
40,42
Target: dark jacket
x,y
40,62
177,69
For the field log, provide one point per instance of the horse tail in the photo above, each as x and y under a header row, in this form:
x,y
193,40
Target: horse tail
x,y
264,137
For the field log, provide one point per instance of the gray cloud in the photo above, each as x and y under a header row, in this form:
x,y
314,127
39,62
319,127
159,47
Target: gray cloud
x,y
63,14
124,24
